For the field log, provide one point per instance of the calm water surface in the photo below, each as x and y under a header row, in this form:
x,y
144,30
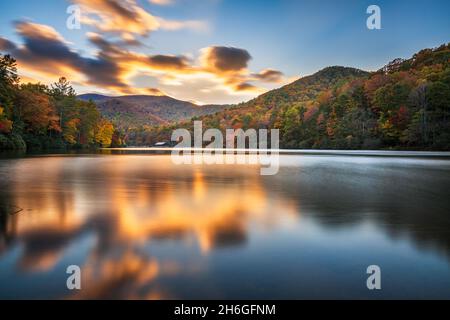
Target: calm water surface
x,y
142,228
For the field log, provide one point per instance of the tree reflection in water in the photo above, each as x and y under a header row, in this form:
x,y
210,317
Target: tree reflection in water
x,y
143,228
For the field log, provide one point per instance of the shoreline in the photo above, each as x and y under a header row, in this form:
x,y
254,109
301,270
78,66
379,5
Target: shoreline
x,y
373,153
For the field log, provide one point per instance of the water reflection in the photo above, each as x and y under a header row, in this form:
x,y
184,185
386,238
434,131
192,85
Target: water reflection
x,y
142,228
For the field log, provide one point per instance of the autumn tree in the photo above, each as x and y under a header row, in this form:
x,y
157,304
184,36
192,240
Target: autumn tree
x,y
5,124
8,81
104,132
35,109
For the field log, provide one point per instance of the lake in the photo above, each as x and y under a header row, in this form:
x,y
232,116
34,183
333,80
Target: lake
x,y
141,227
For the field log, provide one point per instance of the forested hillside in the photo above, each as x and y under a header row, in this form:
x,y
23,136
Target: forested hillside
x,y
35,116
128,112
405,105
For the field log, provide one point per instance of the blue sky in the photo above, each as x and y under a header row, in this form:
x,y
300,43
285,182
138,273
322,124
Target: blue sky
x,y
293,38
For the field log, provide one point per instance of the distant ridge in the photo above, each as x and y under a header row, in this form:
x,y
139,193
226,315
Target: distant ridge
x,y
93,96
137,110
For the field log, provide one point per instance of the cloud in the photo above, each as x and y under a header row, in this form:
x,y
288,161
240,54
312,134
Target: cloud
x,y
231,65
122,17
269,75
127,19
245,86
173,25
217,71
33,30
6,45
225,59
45,50
162,2
169,62
154,92
105,46
130,60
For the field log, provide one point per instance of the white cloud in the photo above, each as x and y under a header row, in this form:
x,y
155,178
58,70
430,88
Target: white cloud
x,y
162,2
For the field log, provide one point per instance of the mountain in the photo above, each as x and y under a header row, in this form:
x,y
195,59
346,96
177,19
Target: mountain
x,y
404,105
140,110
307,88
93,96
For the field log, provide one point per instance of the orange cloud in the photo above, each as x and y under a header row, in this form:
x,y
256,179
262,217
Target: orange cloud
x,y
155,92
38,31
127,19
45,54
123,17
245,86
44,51
269,75
225,59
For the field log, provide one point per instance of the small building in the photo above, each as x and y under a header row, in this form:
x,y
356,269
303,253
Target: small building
x,y
161,144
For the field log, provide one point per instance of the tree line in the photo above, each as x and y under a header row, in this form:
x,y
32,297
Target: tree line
x,y
36,116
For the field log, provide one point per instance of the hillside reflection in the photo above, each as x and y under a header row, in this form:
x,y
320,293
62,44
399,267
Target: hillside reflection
x,y
142,228
126,208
